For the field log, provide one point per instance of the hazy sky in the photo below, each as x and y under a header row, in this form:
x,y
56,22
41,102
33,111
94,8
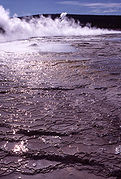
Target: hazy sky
x,y
28,7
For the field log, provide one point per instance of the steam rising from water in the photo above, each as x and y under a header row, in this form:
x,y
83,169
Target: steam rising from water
x,y
16,28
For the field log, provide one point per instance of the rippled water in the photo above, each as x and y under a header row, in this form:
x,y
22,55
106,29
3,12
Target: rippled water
x,y
60,108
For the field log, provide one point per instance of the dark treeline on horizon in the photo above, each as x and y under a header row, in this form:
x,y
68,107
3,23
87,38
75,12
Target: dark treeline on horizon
x,y
99,21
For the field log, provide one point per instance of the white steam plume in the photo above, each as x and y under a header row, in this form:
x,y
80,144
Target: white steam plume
x,y
16,28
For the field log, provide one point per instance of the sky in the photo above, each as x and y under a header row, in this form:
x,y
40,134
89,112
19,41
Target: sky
x,y
30,7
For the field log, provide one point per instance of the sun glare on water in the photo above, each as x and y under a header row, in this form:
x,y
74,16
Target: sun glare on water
x,y
20,148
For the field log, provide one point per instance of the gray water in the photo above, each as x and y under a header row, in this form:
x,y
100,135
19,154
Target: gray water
x,y
60,108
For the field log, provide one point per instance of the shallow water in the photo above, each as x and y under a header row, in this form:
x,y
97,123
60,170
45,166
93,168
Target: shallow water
x,y
60,107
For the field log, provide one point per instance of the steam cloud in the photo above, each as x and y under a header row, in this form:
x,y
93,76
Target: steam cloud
x,y
16,28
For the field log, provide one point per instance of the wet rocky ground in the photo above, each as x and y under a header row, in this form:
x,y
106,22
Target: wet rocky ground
x,y
60,113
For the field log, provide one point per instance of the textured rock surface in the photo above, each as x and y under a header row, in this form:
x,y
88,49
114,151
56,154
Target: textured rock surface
x,y
60,113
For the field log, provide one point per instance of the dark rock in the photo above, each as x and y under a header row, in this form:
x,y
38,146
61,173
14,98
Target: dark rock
x,y
2,30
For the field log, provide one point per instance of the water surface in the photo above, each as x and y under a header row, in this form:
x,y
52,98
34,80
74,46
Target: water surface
x,y
60,107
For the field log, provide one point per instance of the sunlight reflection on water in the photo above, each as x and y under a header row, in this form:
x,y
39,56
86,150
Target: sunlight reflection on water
x,y
27,46
20,148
